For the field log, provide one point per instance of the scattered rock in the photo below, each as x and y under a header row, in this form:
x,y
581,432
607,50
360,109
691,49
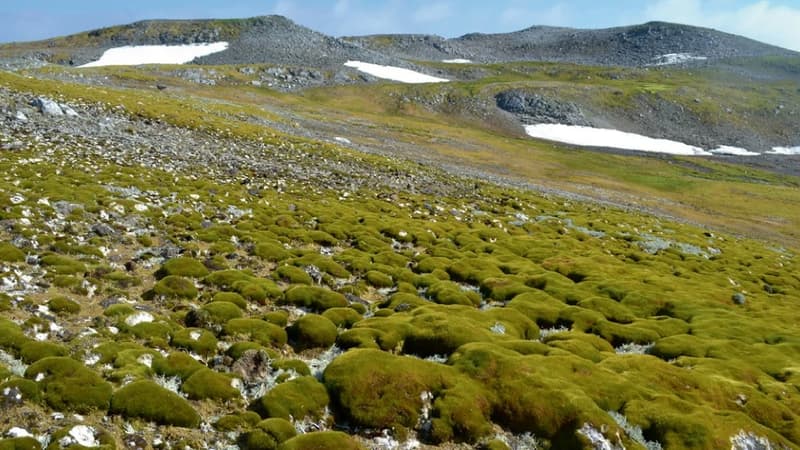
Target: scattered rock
x,y
48,107
739,298
253,365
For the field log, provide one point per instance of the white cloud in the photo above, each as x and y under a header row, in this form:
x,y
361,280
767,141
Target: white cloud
x,y
433,12
762,20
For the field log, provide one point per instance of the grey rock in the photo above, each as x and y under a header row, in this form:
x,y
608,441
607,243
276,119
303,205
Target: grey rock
x,y
21,116
68,111
48,107
253,365
739,298
102,230
535,108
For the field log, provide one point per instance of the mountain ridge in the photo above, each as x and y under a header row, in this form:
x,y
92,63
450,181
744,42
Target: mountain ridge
x,y
251,40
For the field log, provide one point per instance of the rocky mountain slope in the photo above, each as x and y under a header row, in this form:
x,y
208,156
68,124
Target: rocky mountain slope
x,y
638,45
278,40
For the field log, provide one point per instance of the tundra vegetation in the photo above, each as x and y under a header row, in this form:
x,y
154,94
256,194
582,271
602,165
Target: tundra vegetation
x,y
295,313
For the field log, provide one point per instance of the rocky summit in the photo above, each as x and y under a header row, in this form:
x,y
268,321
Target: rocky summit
x,y
265,248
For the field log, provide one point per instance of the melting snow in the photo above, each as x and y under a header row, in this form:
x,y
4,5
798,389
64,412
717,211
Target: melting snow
x,y
457,61
156,54
676,58
394,73
602,137
735,151
785,151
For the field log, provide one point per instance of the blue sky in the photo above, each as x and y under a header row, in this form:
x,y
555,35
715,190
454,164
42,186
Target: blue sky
x,y
773,21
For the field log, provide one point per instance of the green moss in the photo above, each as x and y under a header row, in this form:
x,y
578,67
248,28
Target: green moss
x,y
315,298
119,310
24,443
175,287
211,314
298,398
68,385
312,331
379,279
375,389
182,267
208,384
178,364
264,333
279,318
342,317
151,331
230,297
9,253
149,401
63,305
62,265
33,351
324,263
29,389
5,302
293,275
321,440
271,251
198,340
291,364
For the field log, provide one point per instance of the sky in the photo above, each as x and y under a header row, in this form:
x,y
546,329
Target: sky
x,y
773,21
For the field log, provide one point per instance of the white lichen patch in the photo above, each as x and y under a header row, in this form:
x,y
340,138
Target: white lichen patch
x,y
138,317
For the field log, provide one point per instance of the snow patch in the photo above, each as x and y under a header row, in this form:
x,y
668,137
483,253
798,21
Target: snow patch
x,y
785,151
676,58
342,140
138,317
457,61
82,435
17,432
394,73
603,137
734,151
132,55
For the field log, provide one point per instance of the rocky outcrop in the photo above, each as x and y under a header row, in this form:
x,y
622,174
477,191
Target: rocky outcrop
x,y
535,108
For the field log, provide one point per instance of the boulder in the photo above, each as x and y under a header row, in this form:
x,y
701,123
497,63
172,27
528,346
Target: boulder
x,y
48,107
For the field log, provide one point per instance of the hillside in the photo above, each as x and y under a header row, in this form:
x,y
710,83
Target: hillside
x,y
265,249
636,46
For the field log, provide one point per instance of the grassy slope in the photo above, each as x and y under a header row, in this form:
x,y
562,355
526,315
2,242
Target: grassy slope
x,y
709,192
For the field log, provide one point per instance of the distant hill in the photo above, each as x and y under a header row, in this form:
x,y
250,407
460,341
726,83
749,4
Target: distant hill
x,y
637,45
278,40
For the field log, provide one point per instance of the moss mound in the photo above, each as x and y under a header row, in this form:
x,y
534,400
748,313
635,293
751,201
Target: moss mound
x,y
321,440
298,398
23,443
148,401
312,331
255,330
313,297
175,287
208,384
67,385
63,305
182,267
216,313
268,435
